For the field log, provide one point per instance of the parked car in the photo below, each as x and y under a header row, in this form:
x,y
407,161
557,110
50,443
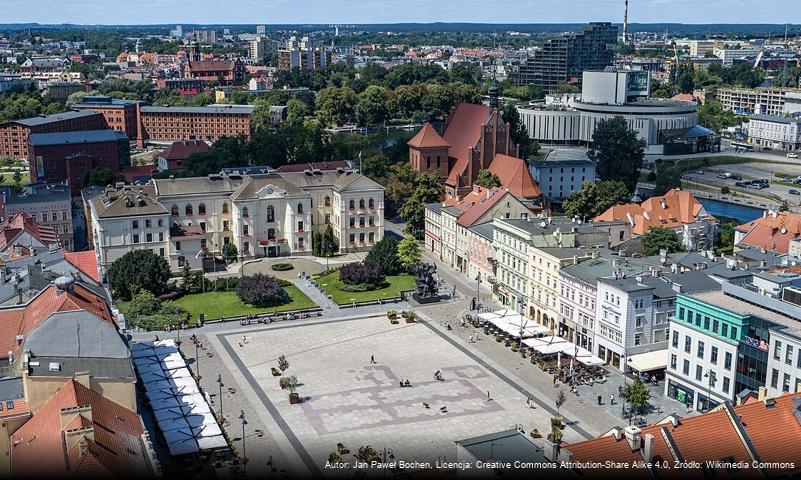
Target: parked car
x,y
797,181
736,177
792,155
699,172
724,175
741,184
793,191
767,149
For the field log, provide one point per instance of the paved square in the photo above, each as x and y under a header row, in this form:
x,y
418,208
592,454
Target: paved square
x,y
350,400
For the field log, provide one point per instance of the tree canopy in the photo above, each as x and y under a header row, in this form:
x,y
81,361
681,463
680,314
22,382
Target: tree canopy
x,y
385,254
487,179
138,270
595,198
409,253
617,151
658,238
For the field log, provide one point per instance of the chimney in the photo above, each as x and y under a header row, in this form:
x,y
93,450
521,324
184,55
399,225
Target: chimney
x,y
617,432
763,394
551,451
648,448
83,378
633,437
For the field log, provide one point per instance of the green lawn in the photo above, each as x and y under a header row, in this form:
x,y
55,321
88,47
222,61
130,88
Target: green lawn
x,y
397,283
227,304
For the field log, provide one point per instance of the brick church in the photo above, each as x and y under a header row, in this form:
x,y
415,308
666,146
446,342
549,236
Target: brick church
x,y
475,138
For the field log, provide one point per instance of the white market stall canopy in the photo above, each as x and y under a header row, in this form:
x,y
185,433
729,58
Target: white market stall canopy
x,y
646,362
587,358
182,412
511,323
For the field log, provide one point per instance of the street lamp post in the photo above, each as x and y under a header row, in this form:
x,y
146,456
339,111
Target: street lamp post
x,y
197,363
387,453
478,292
221,384
710,376
244,451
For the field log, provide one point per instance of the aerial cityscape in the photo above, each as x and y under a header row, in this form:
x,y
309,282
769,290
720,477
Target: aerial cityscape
x,y
400,239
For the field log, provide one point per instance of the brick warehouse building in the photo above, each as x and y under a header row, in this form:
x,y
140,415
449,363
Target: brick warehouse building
x,y
119,114
170,124
56,157
14,134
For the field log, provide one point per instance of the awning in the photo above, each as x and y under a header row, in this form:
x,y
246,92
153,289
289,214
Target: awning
x,y
646,362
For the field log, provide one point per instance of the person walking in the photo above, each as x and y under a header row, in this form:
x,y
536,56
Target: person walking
x,y
611,399
488,396
372,359
599,399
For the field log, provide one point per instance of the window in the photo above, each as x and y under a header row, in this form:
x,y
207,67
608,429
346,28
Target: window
x,y
675,339
301,240
706,323
681,313
371,221
161,236
724,329
351,204
726,382
727,361
181,261
638,321
149,237
788,355
225,207
300,226
203,226
774,378
361,204
245,229
148,224
63,215
715,326
714,355
699,372
201,209
136,238
352,222
371,202
161,251
300,208
188,210
327,201
54,216
700,349
270,213
327,218
688,343
786,383
673,361
371,237
270,234
352,238
135,224
686,367
777,348
178,246
160,223
361,237
225,226
245,212
361,222
246,247
734,333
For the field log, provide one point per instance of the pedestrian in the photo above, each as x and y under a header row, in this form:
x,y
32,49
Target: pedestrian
x,y
599,399
488,396
611,399
372,359
244,339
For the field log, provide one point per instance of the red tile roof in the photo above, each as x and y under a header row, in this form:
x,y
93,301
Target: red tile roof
x,y
19,222
772,232
515,175
183,148
86,262
774,431
427,137
671,210
110,444
21,407
462,134
21,320
211,65
482,205
132,173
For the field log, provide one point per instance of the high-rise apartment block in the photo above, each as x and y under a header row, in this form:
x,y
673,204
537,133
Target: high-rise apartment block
x,y
303,53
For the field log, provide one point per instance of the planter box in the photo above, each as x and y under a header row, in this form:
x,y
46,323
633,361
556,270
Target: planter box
x,y
394,322
294,398
275,371
410,320
535,434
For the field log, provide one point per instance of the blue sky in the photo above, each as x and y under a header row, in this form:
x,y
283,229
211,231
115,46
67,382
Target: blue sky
x,y
393,11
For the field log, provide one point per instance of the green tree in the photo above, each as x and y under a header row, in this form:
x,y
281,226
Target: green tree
x,y
189,282
142,303
296,111
17,187
409,253
328,247
385,254
101,176
487,179
230,252
725,242
518,132
427,189
336,105
317,245
637,394
617,151
373,106
668,176
138,270
658,238
76,98
260,118
595,198
567,88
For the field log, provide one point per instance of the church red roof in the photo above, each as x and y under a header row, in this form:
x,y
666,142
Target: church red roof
x,y
427,137
13,227
462,133
515,176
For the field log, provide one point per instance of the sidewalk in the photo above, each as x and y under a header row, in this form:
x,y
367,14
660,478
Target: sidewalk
x,y
315,294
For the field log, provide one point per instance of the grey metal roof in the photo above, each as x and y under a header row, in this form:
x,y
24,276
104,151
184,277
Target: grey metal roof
x,y
57,117
11,389
591,270
564,157
230,109
434,207
775,119
77,334
253,184
628,284
483,230
198,185
125,202
113,368
89,136
41,193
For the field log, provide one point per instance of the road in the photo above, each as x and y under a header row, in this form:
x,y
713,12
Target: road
x,y
751,171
